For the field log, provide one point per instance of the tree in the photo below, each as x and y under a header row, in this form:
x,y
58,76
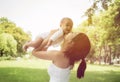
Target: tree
x,y
104,30
8,45
21,37
109,37
6,26
95,7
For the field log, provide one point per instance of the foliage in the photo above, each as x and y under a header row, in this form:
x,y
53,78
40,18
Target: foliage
x,y
7,45
104,32
9,29
98,5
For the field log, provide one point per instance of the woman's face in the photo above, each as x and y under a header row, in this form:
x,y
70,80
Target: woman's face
x,y
70,36
68,43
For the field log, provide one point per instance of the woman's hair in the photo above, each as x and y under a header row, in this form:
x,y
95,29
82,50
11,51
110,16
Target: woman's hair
x,y
78,50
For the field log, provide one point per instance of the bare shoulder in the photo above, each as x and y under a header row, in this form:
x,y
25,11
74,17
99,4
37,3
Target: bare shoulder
x,y
56,54
61,61
53,54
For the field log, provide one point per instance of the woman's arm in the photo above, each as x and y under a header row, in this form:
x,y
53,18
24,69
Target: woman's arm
x,y
46,55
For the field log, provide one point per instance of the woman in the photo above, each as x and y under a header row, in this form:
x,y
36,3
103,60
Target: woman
x,y
76,46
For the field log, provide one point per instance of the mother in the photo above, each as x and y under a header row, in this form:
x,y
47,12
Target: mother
x,y
76,46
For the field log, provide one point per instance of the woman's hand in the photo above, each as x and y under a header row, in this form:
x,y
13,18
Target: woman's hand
x,y
45,48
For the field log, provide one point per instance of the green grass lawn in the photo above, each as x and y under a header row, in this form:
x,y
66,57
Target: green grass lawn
x,y
36,71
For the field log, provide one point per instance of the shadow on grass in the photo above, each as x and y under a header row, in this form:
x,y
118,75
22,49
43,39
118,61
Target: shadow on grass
x,y
107,76
15,74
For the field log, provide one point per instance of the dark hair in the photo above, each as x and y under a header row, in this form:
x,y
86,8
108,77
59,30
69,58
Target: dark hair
x,y
81,69
78,51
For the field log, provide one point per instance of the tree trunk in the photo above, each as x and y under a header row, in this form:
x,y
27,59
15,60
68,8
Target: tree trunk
x,y
110,55
99,59
1,53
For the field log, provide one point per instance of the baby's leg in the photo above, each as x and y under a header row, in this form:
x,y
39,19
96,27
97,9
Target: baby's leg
x,y
38,41
42,45
35,43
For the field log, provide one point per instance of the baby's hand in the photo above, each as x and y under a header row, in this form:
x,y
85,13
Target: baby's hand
x,y
25,47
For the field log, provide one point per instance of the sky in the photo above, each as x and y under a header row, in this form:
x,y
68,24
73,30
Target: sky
x,y
39,16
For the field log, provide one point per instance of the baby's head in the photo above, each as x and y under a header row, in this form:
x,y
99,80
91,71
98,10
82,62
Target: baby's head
x,y
66,24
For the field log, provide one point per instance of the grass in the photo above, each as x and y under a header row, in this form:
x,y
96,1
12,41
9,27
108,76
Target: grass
x,y
36,71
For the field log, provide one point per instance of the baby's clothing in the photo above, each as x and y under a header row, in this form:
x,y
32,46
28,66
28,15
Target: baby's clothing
x,y
57,37
58,74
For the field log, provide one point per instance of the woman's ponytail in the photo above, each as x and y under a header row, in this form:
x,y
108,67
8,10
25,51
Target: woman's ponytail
x,y
81,69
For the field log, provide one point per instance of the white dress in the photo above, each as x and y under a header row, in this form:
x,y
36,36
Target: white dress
x,y
58,74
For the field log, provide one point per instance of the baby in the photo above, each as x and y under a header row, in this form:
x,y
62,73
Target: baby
x,y
54,37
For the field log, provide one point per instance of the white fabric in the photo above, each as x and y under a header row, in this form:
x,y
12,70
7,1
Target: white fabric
x,y
44,35
58,74
54,48
57,37
57,34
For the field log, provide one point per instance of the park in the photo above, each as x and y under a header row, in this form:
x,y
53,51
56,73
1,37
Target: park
x,y
101,24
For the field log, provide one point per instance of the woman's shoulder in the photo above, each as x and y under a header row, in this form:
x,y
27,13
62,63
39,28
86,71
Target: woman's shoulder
x,y
56,53
61,61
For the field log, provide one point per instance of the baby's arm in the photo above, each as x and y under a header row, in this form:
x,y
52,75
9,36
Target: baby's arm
x,y
54,37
